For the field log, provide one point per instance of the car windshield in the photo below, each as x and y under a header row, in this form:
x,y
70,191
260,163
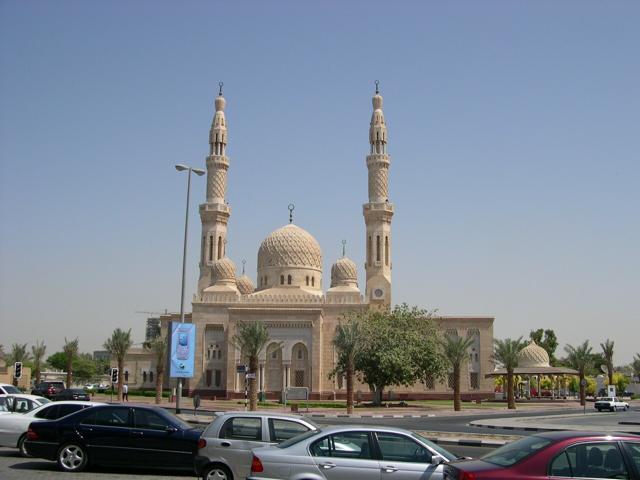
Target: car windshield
x,y
445,453
514,452
10,389
298,438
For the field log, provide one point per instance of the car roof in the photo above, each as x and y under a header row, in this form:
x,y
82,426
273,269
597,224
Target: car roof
x,y
569,434
22,395
261,414
377,428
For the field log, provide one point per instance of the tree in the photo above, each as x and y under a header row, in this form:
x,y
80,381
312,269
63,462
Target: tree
x,y
506,353
580,358
18,353
38,350
118,345
159,348
455,351
607,354
84,368
399,348
546,339
57,360
347,339
636,365
251,338
70,349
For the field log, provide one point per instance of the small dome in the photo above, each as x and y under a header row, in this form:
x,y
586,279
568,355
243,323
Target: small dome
x,y
344,272
245,285
224,270
290,246
533,355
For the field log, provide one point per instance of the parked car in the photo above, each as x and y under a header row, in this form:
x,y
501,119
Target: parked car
x,y
351,452
14,426
224,448
47,389
610,403
556,454
132,436
21,403
6,389
71,394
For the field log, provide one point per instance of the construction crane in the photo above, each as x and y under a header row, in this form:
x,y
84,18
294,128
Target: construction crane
x,y
153,313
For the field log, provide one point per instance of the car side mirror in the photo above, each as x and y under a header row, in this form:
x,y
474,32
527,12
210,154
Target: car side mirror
x,y
171,429
436,460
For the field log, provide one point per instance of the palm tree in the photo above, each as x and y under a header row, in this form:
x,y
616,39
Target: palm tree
x,y
70,349
117,345
38,350
159,348
455,352
607,353
18,353
636,365
580,358
347,338
251,338
506,352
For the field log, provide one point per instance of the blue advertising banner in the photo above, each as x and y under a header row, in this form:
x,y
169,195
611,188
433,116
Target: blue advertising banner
x,y
183,343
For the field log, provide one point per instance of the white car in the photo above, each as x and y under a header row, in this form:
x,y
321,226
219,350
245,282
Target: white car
x,y
6,389
14,426
224,448
21,403
610,403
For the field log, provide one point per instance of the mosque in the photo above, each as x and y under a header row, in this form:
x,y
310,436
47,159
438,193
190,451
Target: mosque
x,y
288,295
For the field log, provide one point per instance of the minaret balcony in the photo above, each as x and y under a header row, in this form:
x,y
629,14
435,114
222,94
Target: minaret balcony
x,y
378,159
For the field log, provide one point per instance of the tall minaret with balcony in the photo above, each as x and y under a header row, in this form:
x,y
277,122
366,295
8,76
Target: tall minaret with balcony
x,y
378,211
214,213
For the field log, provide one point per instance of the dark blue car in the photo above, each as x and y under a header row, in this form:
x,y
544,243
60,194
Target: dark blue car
x,y
118,435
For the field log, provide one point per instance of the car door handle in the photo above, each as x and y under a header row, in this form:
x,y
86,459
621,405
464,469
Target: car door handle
x,y
389,469
137,434
327,465
225,444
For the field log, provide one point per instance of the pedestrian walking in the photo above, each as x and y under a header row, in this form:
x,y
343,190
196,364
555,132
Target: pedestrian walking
x,y
125,393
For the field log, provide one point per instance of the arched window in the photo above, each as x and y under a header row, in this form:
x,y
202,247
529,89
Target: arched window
x,y
219,248
386,251
307,280
377,248
151,376
144,377
369,251
313,281
281,279
288,279
210,248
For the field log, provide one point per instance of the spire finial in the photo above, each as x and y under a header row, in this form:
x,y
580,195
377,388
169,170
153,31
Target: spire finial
x,y
377,87
291,208
220,84
344,247
243,262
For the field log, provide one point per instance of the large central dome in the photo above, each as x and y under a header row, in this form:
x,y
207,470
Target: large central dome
x,y
290,246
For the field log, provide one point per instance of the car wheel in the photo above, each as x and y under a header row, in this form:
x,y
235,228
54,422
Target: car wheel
x,y
217,471
72,458
599,409
21,448
612,409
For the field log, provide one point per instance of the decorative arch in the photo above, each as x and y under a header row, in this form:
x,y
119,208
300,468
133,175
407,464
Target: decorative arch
x,y
273,367
300,367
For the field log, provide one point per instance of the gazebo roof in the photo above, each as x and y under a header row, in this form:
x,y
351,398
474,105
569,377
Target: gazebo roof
x,y
534,371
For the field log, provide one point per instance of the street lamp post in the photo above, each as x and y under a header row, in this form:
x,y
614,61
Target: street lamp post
x,y
198,172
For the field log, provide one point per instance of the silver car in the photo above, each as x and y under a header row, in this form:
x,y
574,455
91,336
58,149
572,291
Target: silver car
x,y
224,448
349,453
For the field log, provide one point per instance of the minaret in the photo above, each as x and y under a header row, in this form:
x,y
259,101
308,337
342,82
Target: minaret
x,y
214,213
378,211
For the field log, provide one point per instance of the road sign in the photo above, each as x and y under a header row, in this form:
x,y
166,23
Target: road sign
x,y
583,382
251,375
241,368
17,370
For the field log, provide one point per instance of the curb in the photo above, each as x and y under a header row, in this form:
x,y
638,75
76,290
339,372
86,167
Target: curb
x,y
344,415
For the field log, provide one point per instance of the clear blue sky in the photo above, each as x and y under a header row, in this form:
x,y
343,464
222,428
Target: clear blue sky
x,y
514,135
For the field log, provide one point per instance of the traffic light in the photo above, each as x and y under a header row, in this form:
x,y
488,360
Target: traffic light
x,y
114,375
17,370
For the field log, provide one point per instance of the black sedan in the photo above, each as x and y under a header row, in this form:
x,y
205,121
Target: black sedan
x,y
134,436
71,394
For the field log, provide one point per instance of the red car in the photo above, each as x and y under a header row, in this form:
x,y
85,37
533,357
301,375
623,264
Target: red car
x,y
555,455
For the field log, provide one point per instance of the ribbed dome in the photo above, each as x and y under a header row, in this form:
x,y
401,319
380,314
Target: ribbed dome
x,y
224,270
245,285
533,355
290,246
344,272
